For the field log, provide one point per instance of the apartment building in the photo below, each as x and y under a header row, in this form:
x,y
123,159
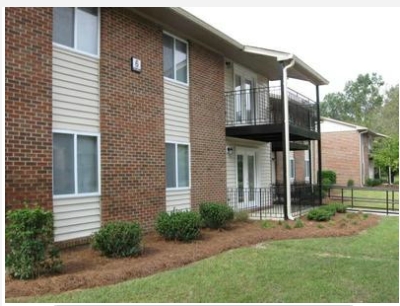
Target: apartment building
x,y
121,113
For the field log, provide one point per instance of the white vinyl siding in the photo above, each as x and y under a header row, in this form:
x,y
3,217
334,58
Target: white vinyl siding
x,y
176,102
76,91
263,161
178,200
76,218
177,130
328,126
76,108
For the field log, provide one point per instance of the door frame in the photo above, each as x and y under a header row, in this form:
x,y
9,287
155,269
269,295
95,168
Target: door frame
x,y
244,151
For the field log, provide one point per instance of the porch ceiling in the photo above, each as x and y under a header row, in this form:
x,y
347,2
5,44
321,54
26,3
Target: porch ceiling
x,y
260,60
270,133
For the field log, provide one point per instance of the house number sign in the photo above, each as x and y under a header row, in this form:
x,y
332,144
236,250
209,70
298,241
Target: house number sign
x,y
136,64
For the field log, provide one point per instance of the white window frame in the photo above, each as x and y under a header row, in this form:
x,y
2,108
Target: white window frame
x,y
292,175
187,59
97,55
76,194
307,159
176,165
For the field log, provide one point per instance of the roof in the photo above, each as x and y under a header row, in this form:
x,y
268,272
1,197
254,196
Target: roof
x,y
261,60
359,128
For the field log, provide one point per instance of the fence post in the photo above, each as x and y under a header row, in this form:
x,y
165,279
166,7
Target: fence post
x,y
260,205
393,200
329,193
387,202
352,199
342,195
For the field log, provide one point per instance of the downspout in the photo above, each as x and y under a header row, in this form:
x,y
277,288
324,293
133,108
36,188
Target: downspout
x,y
286,140
362,165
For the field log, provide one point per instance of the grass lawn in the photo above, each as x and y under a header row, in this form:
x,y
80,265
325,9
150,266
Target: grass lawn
x,y
368,198
362,268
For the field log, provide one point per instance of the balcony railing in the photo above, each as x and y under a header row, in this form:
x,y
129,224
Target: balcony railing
x,y
268,203
260,106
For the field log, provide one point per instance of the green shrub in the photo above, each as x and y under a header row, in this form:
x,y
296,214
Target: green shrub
x,y
119,239
326,185
179,225
373,182
241,216
267,224
320,214
298,223
340,207
29,237
350,183
215,215
329,207
330,175
286,225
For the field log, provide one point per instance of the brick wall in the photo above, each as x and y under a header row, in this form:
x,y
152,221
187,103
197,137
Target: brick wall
x,y
28,106
341,153
132,118
207,126
299,166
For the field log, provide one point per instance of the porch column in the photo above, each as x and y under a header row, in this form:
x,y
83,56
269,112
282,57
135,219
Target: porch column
x,y
284,155
319,177
309,163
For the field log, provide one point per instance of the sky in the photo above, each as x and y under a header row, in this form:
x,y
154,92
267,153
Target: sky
x,y
338,42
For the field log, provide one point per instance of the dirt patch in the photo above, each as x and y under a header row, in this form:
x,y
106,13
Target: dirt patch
x,y
85,268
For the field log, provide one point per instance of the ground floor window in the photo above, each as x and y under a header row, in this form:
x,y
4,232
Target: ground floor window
x,y
76,169
177,165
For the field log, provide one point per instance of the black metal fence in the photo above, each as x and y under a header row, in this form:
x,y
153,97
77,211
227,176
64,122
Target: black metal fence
x,y
264,106
268,203
383,200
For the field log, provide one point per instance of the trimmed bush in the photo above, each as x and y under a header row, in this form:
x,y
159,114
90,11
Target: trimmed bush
x,y
320,214
179,225
119,239
215,215
330,175
340,208
350,183
373,182
298,223
29,236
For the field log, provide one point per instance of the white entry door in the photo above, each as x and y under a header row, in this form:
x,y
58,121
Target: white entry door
x,y
246,176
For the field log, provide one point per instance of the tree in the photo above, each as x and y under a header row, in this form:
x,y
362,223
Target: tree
x,y
386,121
358,102
386,155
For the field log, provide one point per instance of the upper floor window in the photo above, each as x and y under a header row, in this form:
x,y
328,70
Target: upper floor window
x,y
175,58
77,28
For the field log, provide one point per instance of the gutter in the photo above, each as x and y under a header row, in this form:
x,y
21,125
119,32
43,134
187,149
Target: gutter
x,y
287,145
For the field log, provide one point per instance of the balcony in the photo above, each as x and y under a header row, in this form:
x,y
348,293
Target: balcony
x,y
258,114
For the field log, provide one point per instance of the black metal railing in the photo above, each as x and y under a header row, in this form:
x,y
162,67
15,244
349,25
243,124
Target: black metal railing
x,y
268,203
264,106
381,200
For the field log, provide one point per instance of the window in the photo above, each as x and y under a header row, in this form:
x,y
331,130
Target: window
x,y
177,160
175,58
75,164
77,28
292,169
306,166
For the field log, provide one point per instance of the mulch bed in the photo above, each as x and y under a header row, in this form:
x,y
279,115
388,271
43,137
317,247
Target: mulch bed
x,y
86,268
